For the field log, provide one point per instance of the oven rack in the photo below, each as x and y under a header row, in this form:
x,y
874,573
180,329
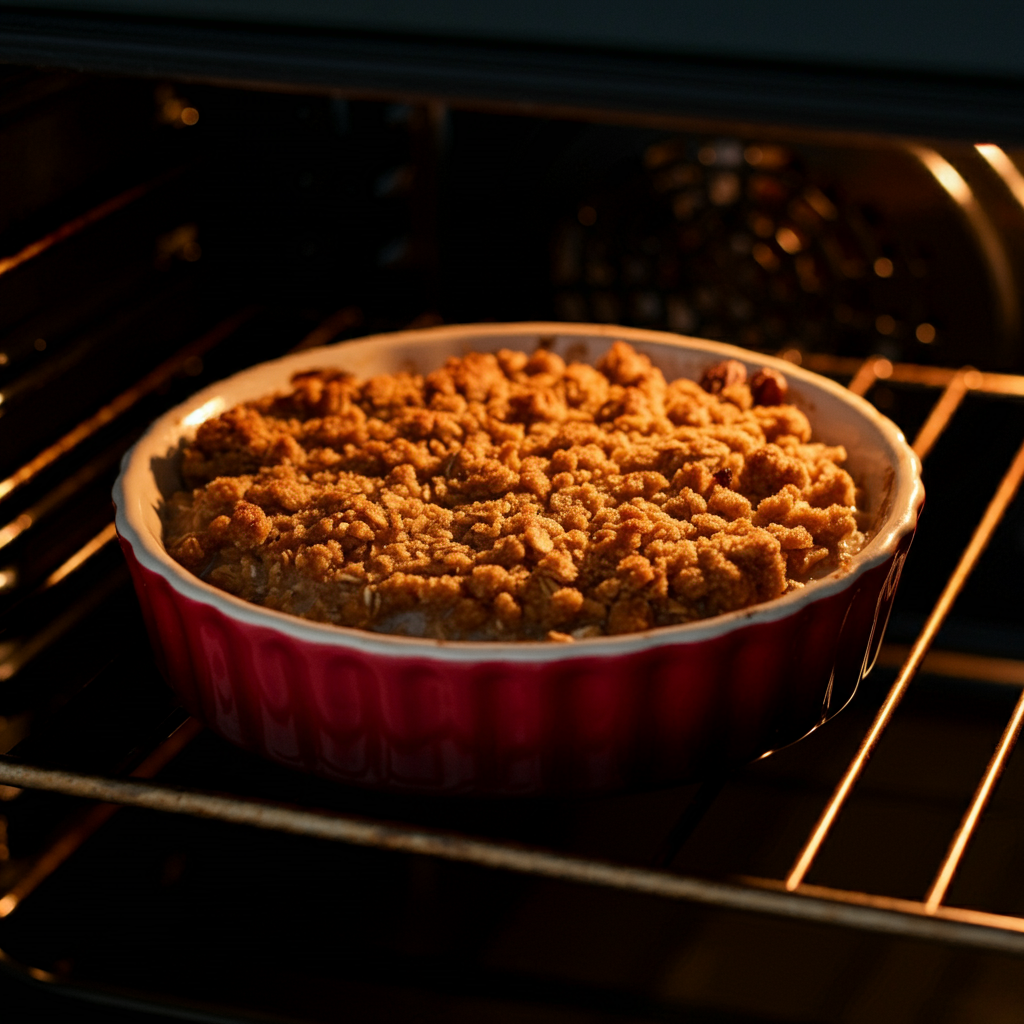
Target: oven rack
x,y
791,896
56,474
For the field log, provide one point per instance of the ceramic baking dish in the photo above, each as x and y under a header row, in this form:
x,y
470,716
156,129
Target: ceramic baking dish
x,y
642,709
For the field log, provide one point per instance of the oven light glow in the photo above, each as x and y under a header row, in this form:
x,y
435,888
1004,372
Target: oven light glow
x,y
820,203
724,189
1005,168
789,240
14,529
766,257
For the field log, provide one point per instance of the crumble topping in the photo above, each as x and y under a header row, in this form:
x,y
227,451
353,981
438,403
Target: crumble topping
x,y
514,497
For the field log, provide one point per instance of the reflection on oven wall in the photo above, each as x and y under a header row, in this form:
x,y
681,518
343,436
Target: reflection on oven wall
x,y
897,249
771,246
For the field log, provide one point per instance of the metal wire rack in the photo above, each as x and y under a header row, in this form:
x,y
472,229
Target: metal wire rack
x,y
60,470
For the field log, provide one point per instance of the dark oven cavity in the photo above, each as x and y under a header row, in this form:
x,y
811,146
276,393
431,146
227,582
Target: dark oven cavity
x,y
159,235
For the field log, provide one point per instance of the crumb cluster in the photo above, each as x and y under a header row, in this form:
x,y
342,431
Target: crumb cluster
x,y
514,497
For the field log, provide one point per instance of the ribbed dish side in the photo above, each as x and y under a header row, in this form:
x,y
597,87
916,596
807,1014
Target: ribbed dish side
x,y
593,723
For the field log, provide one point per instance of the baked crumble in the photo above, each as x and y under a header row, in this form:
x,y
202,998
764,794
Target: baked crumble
x,y
514,497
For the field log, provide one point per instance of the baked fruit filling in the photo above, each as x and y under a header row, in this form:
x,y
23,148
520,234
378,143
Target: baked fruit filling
x,y
514,497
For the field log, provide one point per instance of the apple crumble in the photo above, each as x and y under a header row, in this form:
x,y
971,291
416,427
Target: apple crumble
x,y
514,497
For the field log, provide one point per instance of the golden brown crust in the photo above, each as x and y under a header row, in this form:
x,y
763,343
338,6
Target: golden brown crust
x,y
511,497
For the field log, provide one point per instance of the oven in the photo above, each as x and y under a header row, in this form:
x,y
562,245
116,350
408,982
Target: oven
x,y
183,197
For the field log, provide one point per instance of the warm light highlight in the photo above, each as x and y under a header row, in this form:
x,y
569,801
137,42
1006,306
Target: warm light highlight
x,y
989,238
789,240
82,555
764,255
1005,168
206,411
945,174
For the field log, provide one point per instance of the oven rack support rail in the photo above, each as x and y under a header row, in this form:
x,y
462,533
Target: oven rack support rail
x,y
791,897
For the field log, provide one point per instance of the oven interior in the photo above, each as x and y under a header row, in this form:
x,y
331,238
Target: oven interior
x,y
156,236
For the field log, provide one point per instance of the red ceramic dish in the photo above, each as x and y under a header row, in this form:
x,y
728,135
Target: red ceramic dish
x,y
641,709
